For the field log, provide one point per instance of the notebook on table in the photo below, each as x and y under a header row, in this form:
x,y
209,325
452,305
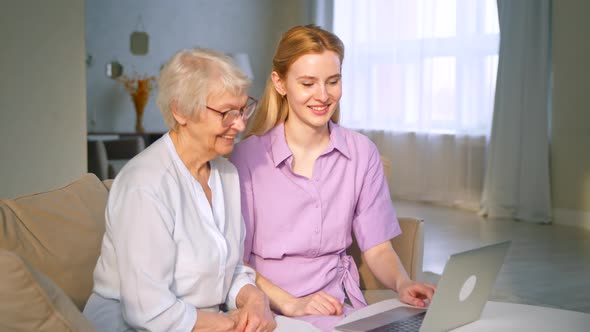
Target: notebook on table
x,y
460,297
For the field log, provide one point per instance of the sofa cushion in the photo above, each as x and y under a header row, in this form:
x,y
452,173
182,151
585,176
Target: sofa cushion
x,y
32,302
59,232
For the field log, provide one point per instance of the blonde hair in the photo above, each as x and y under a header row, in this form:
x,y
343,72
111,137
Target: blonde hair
x,y
192,75
298,41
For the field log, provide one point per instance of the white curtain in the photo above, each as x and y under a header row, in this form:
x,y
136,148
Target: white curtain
x,y
440,169
419,79
517,174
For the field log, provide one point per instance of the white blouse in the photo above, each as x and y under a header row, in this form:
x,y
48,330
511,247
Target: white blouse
x,y
165,251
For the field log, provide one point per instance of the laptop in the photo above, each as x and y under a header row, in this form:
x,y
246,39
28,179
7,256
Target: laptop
x,y
460,296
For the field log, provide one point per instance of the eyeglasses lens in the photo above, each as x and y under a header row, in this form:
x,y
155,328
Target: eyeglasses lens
x,y
249,109
229,117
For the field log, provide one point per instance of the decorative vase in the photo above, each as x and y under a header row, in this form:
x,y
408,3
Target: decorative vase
x,y
139,88
139,122
140,99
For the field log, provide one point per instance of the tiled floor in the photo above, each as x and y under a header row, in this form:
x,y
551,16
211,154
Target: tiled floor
x,y
547,265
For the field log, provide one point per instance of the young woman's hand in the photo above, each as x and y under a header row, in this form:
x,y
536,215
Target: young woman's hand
x,y
213,322
320,303
416,293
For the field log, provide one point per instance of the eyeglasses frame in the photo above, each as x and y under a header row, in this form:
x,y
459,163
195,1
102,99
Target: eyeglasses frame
x,y
251,102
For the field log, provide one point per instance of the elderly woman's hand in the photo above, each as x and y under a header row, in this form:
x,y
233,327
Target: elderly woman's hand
x,y
253,314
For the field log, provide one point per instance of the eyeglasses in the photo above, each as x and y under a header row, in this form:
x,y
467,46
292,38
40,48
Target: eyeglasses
x,y
228,117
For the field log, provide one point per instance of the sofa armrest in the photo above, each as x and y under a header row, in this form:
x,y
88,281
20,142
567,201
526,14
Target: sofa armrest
x,y
409,246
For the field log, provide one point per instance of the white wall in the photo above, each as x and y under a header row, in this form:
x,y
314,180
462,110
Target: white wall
x,y
42,95
252,26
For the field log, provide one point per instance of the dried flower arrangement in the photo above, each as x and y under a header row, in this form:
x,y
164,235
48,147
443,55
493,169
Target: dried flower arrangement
x,y
139,88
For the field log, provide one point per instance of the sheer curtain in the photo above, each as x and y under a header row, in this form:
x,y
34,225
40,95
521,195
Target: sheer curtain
x,y
419,79
517,177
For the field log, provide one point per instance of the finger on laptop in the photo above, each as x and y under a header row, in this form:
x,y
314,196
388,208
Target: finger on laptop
x,y
429,291
424,291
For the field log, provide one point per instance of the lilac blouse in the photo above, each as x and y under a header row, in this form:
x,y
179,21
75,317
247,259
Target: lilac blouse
x,y
298,229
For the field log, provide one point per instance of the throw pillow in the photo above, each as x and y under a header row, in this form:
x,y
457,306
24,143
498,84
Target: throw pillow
x,y
32,302
59,232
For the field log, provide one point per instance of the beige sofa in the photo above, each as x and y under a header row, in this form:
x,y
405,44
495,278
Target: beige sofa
x,y
49,244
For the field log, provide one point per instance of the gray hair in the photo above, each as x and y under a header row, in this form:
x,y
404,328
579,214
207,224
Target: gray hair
x,y
191,76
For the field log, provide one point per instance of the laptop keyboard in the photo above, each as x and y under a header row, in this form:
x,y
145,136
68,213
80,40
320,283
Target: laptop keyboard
x,y
410,324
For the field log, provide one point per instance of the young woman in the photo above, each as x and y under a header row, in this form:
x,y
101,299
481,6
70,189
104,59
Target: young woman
x,y
307,184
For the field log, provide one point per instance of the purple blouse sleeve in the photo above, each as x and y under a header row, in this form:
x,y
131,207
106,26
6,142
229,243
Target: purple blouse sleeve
x,y
375,221
239,159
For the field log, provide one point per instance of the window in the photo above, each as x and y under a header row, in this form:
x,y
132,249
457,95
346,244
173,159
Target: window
x,y
420,66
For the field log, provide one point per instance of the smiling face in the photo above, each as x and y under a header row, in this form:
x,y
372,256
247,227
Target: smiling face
x,y
223,137
313,88
206,132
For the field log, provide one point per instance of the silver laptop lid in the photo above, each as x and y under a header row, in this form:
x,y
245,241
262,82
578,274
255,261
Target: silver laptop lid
x,y
464,287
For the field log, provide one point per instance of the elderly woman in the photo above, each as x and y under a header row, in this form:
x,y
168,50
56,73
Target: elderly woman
x,y
171,256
